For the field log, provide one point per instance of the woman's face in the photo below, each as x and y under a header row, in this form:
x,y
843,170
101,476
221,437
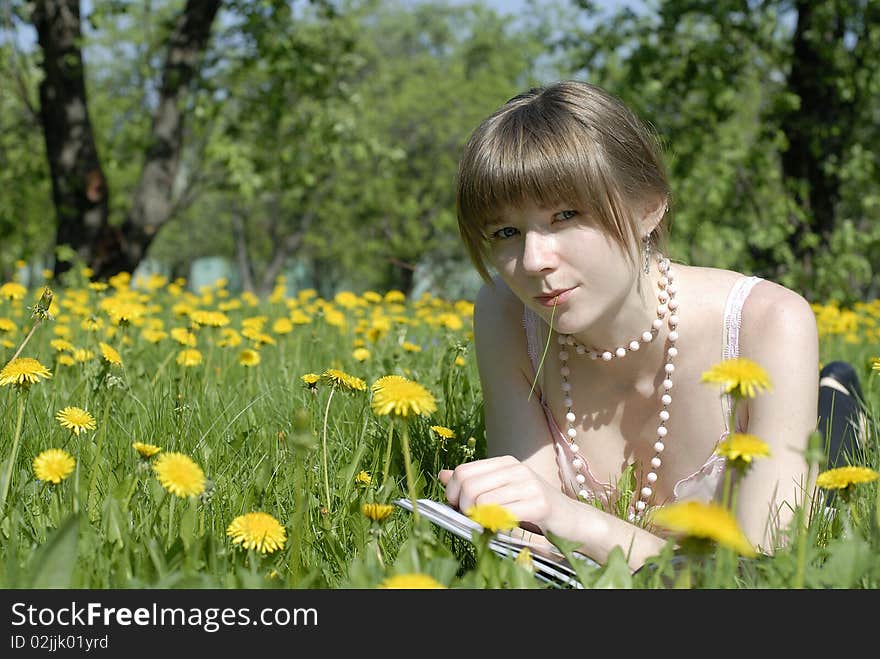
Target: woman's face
x,y
558,257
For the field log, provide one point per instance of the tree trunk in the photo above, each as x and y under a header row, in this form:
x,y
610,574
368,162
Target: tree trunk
x,y
152,204
284,249
242,254
79,189
818,130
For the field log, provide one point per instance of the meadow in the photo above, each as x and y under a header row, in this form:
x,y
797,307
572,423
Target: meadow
x,y
164,438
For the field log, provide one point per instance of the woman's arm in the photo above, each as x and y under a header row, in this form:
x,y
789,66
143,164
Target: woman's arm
x,y
521,473
779,334
511,483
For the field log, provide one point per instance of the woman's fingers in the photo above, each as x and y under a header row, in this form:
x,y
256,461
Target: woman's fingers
x,y
503,481
515,498
469,470
474,488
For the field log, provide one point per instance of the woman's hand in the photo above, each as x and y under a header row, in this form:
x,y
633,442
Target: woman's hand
x,y
507,482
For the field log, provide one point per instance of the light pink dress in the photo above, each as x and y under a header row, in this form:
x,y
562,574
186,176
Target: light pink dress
x,y
703,485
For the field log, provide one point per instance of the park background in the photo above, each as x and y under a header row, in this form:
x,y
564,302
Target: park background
x,y
319,140
245,210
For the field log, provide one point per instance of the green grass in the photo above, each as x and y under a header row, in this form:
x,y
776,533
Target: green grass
x,y
257,433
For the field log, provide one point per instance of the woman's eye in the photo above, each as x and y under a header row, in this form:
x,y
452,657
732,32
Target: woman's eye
x,y
504,232
565,215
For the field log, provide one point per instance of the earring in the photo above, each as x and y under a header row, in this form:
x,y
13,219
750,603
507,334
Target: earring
x,y
647,240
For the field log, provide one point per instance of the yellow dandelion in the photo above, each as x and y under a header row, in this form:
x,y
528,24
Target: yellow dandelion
x,y
76,419
739,377
110,355
184,337
344,380
249,357
13,291
395,297
524,559
230,338
395,395
258,531
209,318
146,450
742,447
460,361
189,357
443,432
492,517
843,477
62,345
411,347
363,478
412,581
179,474
92,324
361,354
704,520
53,465
875,366
23,372
154,335
83,354
66,360
377,511
310,379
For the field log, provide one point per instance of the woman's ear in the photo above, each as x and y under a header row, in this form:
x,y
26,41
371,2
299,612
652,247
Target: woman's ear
x,y
653,215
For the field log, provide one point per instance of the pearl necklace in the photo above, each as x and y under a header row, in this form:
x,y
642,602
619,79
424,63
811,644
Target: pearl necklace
x,y
666,303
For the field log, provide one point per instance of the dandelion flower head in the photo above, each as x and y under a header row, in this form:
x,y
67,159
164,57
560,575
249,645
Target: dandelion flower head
x,y
53,465
377,511
344,380
397,396
443,432
23,372
76,419
412,581
146,450
179,474
843,477
249,357
739,377
704,520
742,446
492,517
110,355
258,531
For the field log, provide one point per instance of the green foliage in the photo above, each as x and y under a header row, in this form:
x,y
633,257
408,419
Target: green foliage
x,y
715,81
26,213
258,432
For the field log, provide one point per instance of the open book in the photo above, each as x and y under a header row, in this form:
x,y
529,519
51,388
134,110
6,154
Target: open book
x,y
550,564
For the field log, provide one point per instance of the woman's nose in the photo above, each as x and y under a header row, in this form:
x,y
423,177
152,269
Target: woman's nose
x,y
539,252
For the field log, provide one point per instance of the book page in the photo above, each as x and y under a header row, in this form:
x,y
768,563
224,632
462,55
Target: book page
x,y
548,560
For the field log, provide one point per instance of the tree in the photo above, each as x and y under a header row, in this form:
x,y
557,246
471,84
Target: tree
x,y
768,112
79,185
25,207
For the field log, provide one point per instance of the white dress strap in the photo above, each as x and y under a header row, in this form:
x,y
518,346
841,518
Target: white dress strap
x,y
732,324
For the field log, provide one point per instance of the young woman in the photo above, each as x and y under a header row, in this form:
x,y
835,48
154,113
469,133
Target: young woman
x,y
591,343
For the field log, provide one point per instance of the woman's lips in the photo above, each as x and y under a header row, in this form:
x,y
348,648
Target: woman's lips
x,y
556,299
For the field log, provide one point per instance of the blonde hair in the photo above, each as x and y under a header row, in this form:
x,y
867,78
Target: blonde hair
x,y
566,143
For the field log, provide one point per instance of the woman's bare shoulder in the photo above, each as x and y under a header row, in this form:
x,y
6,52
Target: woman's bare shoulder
x,y
774,311
497,309
499,331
